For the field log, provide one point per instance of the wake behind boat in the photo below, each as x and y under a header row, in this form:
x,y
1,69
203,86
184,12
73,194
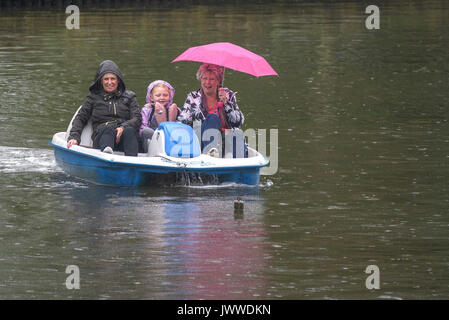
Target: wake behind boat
x,y
174,150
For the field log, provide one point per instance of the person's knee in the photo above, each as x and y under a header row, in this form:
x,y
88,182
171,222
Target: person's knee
x,y
129,131
213,118
147,132
212,121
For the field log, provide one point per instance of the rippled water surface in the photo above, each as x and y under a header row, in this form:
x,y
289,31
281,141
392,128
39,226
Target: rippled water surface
x,y
363,156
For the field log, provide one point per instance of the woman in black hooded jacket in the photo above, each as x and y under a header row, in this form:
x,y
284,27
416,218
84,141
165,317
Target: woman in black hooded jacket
x,y
114,111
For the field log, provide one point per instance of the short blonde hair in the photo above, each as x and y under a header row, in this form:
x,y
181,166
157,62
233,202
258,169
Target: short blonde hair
x,y
207,67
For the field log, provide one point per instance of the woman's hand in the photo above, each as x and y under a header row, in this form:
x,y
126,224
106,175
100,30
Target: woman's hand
x,y
222,95
71,143
119,134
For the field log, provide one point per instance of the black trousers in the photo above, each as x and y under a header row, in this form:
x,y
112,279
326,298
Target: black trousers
x,y
106,136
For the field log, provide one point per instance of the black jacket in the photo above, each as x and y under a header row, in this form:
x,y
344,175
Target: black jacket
x,y
120,107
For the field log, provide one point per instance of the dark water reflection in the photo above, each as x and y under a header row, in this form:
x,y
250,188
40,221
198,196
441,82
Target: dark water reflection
x,y
155,244
363,157
172,245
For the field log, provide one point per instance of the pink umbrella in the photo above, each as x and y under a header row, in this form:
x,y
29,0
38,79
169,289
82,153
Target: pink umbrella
x,y
229,55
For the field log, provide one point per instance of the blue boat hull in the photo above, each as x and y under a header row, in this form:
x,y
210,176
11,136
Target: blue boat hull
x,y
105,172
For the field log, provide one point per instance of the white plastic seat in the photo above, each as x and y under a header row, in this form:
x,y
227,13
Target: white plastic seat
x,y
86,134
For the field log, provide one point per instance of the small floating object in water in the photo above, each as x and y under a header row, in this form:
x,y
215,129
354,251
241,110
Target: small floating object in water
x,y
238,204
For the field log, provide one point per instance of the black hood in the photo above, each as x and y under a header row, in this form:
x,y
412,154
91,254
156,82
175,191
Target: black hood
x,y
107,66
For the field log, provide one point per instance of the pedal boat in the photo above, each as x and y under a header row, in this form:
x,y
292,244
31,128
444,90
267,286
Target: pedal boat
x,y
173,152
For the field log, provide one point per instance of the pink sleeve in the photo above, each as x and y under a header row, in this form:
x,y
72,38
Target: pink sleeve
x,y
146,111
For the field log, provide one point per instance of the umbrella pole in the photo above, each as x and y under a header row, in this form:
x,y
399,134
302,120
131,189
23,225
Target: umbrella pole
x,y
222,81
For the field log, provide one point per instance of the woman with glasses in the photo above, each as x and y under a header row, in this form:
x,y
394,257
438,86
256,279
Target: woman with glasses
x,y
215,107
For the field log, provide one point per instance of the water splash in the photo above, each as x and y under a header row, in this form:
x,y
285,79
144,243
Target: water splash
x,y
189,179
17,160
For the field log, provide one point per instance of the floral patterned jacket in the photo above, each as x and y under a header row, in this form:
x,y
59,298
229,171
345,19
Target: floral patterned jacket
x,y
194,109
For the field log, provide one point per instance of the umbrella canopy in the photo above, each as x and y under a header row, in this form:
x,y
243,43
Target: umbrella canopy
x,y
229,55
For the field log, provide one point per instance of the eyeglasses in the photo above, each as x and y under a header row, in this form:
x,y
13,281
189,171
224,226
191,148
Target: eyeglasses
x,y
206,79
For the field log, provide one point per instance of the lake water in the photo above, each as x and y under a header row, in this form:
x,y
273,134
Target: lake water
x,y
362,178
